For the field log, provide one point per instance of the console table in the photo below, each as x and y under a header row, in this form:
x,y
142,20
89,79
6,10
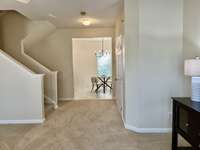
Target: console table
x,y
186,122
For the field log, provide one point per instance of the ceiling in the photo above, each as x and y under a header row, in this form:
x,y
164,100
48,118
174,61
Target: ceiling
x,y
66,13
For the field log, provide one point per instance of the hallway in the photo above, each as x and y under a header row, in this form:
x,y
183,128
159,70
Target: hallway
x,y
92,68
80,125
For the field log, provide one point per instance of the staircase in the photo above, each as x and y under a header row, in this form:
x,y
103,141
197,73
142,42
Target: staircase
x,y
22,94
37,34
23,90
50,78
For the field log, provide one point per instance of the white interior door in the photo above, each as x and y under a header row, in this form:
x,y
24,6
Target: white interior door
x,y
120,75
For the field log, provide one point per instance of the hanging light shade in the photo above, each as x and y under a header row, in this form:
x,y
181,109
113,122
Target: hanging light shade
x,y
102,51
192,68
84,20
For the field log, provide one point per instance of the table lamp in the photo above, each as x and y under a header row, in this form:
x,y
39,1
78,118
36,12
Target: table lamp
x,y
192,68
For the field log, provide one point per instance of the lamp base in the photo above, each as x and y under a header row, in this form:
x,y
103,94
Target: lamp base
x,y
196,89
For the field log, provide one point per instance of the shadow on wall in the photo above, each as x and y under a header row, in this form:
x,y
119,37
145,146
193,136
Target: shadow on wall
x,y
1,39
13,30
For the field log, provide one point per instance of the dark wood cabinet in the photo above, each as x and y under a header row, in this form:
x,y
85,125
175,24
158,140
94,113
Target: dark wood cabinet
x,y
186,122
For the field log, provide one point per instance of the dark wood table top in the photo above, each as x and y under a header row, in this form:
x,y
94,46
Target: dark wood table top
x,y
188,102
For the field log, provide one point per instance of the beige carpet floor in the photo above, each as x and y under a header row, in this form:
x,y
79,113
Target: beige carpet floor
x,y
80,125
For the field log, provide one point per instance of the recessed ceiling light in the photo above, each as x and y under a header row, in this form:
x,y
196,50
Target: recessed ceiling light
x,y
24,1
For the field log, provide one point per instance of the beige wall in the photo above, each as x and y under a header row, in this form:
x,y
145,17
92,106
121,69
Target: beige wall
x,y
153,34
55,52
119,25
1,38
37,31
191,36
13,30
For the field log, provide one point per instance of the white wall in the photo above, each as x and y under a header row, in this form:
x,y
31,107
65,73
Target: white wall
x,y
131,49
85,63
21,93
153,34
191,36
59,49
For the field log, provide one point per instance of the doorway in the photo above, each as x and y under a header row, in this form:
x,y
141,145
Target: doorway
x,y
92,68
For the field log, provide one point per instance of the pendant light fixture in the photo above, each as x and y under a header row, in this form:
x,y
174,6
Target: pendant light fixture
x,y
102,46
85,21
102,51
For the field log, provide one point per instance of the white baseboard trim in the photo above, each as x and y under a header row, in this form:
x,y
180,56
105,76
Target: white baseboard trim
x,y
65,99
33,121
79,99
148,130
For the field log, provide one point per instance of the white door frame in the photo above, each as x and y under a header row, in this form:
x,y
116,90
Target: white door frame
x,y
113,64
121,46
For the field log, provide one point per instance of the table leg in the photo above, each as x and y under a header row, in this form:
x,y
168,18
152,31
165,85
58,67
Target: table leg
x,y
98,87
174,133
104,86
174,140
196,147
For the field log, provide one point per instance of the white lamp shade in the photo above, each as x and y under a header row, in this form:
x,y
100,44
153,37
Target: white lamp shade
x,y
192,67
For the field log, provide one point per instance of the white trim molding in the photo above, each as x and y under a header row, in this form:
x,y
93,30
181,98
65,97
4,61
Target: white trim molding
x,y
33,121
80,99
147,130
48,100
65,99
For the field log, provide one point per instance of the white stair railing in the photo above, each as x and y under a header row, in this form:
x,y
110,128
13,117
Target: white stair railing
x,y
50,78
